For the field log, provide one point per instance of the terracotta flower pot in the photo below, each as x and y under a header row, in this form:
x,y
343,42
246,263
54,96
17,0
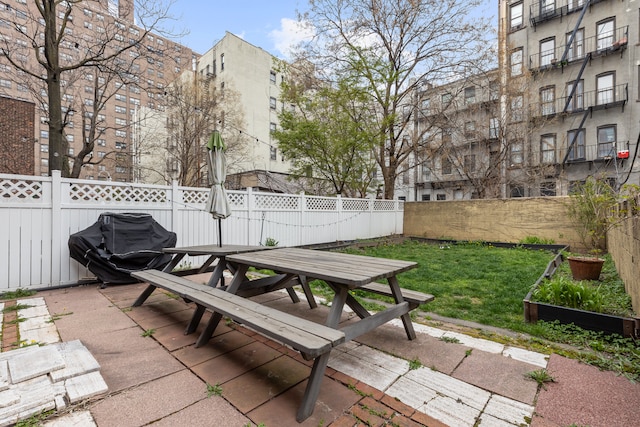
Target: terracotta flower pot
x,y
585,268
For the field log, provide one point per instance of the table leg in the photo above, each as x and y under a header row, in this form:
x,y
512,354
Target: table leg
x,y
352,302
143,296
307,291
406,318
206,335
337,305
313,387
195,320
206,264
172,264
217,272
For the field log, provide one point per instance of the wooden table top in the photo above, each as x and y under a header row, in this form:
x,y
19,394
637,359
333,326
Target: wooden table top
x,y
214,249
351,270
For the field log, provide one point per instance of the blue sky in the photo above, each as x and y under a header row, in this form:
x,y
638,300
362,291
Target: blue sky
x,y
269,25
266,24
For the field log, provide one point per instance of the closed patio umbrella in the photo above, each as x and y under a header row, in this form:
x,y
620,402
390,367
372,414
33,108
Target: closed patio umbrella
x,y
217,203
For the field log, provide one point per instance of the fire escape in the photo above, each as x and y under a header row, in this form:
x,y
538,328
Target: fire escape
x,y
579,50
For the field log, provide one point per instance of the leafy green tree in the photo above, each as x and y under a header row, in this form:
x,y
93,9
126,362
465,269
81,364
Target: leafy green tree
x,y
328,135
394,47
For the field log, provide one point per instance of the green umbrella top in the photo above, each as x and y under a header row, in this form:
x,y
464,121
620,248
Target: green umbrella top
x,y
216,142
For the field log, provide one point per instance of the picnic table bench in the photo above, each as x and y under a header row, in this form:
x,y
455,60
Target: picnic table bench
x,y
312,340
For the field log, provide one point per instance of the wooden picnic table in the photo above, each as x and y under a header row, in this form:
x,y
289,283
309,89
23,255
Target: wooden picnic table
x,y
342,272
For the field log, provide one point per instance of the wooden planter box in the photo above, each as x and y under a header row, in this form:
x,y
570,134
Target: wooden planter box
x,y
534,311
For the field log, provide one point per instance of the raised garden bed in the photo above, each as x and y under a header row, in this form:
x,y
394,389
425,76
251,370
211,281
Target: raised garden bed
x,y
534,311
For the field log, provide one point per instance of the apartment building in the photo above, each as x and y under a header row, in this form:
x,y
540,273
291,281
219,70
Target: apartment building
x,y
152,63
577,65
255,76
456,134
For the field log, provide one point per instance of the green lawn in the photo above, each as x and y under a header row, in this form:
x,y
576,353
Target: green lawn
x,y
486,285
471,281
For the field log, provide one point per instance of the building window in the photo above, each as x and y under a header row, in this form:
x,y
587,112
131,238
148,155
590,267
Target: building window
x,y
577,150
576,49
470,129
446,166
273,103
516,191
575,4
425,106
547,51
273,153
426,172
44,148
470,163
469,95
577,101
426,197
517,104
494,128
516,153
547,7
272,127
604,88
516,62
44,134
515,15
606,141
494,90
548,149
548,100
548,189
446,99
222,62
272,77
441,197
604,33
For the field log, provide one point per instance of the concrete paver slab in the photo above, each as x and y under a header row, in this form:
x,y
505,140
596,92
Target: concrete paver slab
x,y
85,386
78,360
451,412
527,356
498,374
151,401
207,412
370,374
507,410
47,334
75,419
38,361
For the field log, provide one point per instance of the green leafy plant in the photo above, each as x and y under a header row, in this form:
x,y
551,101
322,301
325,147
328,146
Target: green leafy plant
x,y
450,340
541,376
214,390
565,292
595,207
270,241
414,364
10,308
18,293
535,240
148,333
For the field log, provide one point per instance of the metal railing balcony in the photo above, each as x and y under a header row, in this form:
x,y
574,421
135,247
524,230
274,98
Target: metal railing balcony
x,y
604,44
545,10
595,100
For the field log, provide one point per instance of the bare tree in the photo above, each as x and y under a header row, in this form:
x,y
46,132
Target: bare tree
x,y
44,48
196,108
392,45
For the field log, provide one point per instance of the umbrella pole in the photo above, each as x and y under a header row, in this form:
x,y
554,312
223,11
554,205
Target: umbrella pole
x,y
219,232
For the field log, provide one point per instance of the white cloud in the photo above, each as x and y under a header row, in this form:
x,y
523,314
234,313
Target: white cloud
x,y
291,33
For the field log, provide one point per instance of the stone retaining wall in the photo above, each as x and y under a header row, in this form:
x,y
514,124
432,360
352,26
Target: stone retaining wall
x,y
511,220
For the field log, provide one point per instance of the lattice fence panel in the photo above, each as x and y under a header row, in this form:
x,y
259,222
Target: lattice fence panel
x,y
355,205
384,205
321,204
237,200
109,193
195,196
12,190
277,202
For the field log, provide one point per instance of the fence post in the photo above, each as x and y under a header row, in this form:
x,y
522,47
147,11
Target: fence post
x,y
338,216
56,229
301,223
249,214
176,200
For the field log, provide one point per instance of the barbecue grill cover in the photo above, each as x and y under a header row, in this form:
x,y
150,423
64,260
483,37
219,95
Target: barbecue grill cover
x,y
120,243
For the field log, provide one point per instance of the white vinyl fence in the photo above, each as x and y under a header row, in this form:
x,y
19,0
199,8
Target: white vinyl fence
x,y
38,214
